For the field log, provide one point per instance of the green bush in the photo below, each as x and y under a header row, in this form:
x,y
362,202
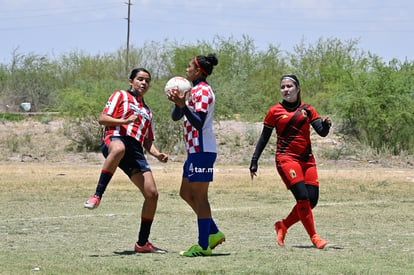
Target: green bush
x,y
377,108
372,100
85,134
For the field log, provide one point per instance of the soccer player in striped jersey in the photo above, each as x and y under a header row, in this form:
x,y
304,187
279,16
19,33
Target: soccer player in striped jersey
x,y
200,143
129,130
294,159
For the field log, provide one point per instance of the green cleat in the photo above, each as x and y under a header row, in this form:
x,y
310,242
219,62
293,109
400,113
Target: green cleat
x,y
195,251
216,239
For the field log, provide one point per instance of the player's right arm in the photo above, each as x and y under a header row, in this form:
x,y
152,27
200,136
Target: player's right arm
x,y
177,113
108,121
108,117
261,144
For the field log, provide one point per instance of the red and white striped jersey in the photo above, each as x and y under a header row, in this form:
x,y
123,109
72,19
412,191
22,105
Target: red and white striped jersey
x,y
201,99
123,104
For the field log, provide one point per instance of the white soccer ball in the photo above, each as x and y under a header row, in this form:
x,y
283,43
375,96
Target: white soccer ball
x,y
178,82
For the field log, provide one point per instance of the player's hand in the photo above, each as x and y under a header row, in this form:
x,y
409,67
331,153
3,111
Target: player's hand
x,y
171,92
131,119
162,157
327,121
253,168
175,96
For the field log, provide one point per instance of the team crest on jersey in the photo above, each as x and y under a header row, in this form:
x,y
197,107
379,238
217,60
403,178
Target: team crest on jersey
x,y
284,116
292,173
304,113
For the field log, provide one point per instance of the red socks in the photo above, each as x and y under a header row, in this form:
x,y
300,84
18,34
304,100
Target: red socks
x,y
305,214
301,212
292,218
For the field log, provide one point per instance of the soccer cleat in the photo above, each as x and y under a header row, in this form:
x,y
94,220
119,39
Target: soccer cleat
x,y
281,231
149,248
195,251
318,241
92,203
216,239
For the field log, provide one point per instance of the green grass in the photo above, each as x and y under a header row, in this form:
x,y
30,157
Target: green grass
x,y
366,216
11,117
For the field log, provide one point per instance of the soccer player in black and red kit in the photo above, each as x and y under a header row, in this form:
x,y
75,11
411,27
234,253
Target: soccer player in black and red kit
x,y
295,162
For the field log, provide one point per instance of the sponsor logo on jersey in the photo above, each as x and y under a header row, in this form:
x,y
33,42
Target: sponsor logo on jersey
x,y
138,111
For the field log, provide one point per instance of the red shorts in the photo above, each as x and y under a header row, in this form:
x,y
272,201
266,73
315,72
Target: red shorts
x,y
293,171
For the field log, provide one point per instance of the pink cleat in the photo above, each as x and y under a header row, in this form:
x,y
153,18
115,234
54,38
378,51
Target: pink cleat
x,y
92,203
149,248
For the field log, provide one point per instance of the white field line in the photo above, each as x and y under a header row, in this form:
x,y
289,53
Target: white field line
x,y
236,209
354,203
65,217
319,204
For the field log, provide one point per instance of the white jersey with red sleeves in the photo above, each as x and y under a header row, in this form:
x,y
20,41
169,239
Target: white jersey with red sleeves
x,y
123,104
201,99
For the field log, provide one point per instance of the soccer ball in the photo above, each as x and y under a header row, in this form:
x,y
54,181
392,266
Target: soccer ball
x,y
178,82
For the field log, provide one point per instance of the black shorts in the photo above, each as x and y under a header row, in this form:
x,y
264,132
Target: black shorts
x,y
134,157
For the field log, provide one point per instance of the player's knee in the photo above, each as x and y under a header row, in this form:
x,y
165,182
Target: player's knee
x,y
184,195
152,195
313,195
203,204
313,203
299,191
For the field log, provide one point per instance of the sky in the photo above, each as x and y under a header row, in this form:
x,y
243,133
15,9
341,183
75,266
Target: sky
x,y
56,27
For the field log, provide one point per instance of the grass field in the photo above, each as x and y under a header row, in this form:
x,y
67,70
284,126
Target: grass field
x,y
365,214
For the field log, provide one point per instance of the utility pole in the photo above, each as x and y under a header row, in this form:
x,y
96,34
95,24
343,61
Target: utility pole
x,y
128,30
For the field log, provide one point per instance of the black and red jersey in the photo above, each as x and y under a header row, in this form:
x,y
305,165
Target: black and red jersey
x,y
293,130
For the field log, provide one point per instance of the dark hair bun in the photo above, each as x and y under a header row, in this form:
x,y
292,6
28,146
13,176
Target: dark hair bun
x,y
212,59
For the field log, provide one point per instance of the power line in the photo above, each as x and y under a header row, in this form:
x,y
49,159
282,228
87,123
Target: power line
x,y
23,15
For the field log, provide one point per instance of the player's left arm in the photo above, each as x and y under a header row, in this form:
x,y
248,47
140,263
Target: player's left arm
x,y
196,119
153,151
322,126
202,99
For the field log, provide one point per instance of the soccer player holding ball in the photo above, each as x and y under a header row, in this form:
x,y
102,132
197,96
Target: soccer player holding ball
x,y
198,111
295,162
129,130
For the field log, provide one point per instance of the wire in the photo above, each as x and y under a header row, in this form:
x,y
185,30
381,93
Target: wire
x,y
55,12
